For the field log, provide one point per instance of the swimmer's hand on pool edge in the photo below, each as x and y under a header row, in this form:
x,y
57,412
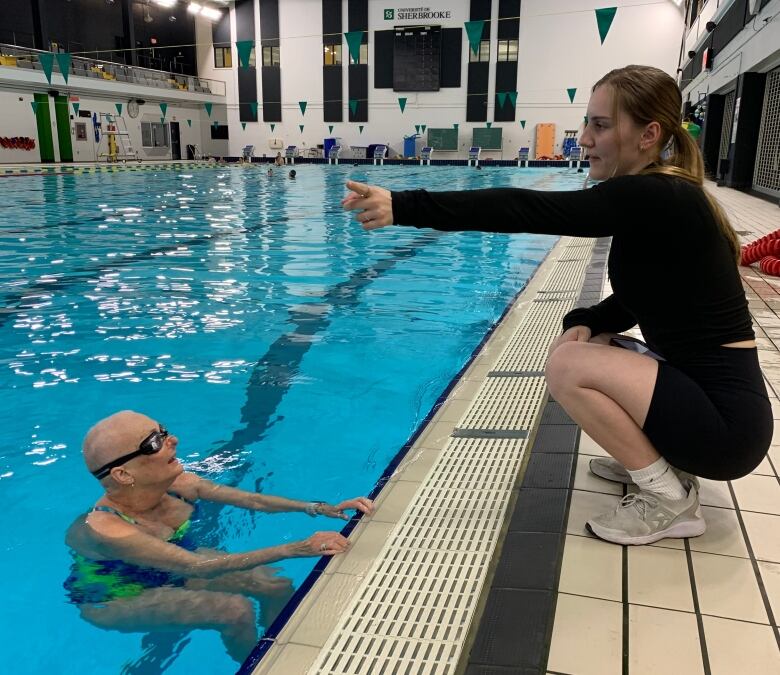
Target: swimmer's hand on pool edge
x,y
320,543
375,204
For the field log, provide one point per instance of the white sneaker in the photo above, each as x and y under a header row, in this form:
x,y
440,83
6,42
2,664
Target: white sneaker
x,y
645,517
610,469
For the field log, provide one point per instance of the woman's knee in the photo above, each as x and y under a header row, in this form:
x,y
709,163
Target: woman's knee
x,y
560,371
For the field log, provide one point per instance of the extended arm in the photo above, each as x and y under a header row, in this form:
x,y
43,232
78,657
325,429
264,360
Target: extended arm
x,y
608,316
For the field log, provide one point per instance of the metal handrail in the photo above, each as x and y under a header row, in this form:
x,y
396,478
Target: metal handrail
x,y
83,67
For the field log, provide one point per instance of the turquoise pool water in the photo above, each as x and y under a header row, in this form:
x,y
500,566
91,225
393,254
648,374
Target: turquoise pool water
x,y
291,353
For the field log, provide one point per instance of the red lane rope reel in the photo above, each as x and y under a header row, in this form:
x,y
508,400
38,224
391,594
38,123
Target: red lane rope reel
x,y
770,265
18,142
760,248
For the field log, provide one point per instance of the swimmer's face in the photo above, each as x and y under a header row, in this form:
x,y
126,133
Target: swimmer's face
x,y
611,141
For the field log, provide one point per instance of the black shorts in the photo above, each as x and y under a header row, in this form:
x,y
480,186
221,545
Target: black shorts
x,y
711,416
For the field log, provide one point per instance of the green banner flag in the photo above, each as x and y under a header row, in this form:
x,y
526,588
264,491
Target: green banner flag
x,y
118,108
402,103
353,105
46,59
253,108
361,128
488,124
300,126
302,105
417,128
272,127
604,19
34,105
208,107
354,38
75,108
162,120
501,96
474,33
63,61
422,128
244,48
512,98
522,123
243,125
330,128
455,126
163,109
189,123
572,92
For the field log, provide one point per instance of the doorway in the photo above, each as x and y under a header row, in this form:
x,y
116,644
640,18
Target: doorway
x,y
175,141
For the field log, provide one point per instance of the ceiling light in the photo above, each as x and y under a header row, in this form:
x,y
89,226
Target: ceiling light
x,y
165,3
209,13
194,8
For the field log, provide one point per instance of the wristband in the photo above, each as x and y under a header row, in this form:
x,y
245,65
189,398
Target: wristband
x,y
313,509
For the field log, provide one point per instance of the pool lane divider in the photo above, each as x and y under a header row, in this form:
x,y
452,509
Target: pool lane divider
x,y
65,170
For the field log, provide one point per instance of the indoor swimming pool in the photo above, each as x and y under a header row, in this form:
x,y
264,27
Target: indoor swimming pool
x,y
289,351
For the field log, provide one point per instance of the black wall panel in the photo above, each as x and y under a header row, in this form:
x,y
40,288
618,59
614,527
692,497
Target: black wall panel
x,y
272,93
383,59
750,90
357,77
331,18
729,25
269,21
247,77
16,24
451,48
508,28
333,99
506,80
357,15
480,9
220,31
476,103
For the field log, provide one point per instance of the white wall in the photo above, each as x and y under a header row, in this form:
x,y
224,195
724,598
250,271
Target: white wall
x,y
559,48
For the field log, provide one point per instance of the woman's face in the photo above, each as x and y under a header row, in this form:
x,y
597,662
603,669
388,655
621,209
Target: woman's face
x,y
613,145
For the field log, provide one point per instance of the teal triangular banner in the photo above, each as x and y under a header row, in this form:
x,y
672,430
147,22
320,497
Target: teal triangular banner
x,y
402,103
353,105
300,126
162,120
75,107
118,108
63,61
512,98
361,128
572,92
422,128
189,123
330,128
455,126
488,124
46,59
244,48
522,123
474,33
243,125
354,38
302,105
604,19
417,128
253,108
272,127
208,107
34,105
163,109
501,95
215,124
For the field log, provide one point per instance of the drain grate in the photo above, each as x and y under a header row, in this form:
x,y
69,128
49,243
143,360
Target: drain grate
x,y
412,610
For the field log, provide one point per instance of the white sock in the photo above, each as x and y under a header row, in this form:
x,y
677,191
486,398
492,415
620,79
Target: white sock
x,y
659,479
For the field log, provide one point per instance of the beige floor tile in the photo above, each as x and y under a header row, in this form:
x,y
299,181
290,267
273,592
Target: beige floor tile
x,y
758,493
592,567
764,533
587,636
417,464
727,587
715,493
763,469
585,505
452,411
723,534
290,659
436,435
393,501
465,389
663,641
589,447
659,577
368,539
737,648
770,575
585,480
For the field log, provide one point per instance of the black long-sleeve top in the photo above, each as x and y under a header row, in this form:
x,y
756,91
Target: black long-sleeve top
x,y
671,268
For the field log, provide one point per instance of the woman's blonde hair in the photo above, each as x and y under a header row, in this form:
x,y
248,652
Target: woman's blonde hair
x,y
647,94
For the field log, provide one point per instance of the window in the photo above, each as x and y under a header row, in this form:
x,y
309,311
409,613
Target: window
x,y
154,135
332,55
484,52
507,50
223,57
362,56
270,56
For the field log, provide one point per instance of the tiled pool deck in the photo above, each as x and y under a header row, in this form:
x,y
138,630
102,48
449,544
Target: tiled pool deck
x,y
477,560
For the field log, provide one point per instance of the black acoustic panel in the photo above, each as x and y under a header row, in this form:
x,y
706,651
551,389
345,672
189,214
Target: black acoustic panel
x,y
506,76
361,112
476,107
333,111
358,80
16,23
508,29
548,470
480,9
528,560
272,112
729,25
220,30
331,18
357,14
247,91
751,95
272,93
245,20
383,59
332,93
513,628
478,78
219,132
451,50
269,21
539,510
510,8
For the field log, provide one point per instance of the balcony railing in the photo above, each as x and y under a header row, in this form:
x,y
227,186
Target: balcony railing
x,y
24,57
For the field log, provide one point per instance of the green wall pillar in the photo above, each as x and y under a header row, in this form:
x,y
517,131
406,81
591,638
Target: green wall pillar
x,y
62,114
43,117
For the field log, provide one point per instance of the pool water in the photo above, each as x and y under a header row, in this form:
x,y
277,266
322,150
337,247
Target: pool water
x,y
291,353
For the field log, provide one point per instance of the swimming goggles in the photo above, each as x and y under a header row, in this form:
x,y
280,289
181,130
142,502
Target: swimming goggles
x,y
151,445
